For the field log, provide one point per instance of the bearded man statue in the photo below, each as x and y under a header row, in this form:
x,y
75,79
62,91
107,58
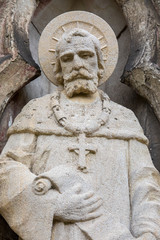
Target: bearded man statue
x,y
76,165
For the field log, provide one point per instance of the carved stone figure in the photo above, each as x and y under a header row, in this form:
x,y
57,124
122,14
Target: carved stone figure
x,y
76,165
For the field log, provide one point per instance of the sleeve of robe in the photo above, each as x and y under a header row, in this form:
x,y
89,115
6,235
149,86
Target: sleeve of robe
x,y
28,214
144,191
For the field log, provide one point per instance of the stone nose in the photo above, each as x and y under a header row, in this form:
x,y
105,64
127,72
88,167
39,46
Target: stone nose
x,y
77,62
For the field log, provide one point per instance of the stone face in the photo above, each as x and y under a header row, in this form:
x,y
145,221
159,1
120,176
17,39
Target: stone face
x,y
77,166
64,23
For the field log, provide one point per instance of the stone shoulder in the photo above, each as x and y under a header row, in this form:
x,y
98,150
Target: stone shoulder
x,y
37,103
35,106
122,117
122,123
31,115
120,110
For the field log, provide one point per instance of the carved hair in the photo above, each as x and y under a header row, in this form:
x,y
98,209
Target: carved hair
x,y
67,37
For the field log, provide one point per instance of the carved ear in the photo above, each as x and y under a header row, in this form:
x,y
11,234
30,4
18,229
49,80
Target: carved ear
x,y
59,78
100,73
100,59
101,65
58,72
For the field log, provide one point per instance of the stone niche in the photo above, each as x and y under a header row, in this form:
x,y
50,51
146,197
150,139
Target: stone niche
x,y
118,92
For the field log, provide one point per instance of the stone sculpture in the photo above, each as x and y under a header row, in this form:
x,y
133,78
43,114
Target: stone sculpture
x,y
76,165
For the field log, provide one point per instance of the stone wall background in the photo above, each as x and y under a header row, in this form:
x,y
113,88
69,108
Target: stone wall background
x,y
118,92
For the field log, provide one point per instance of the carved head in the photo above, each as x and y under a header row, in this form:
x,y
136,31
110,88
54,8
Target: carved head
x,y
79,64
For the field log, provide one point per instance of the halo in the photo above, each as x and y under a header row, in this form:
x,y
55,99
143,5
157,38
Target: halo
x,y
77,19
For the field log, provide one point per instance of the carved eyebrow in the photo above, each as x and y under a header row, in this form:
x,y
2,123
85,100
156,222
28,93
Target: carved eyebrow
x,y
67,56
67,53
86,51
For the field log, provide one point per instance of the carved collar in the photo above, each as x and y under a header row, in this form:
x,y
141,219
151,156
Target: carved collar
x,y
91,125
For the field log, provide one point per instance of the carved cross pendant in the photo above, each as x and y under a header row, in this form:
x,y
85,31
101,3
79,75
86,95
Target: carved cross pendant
x,y
82,149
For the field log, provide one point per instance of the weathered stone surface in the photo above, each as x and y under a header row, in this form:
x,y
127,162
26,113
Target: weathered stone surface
x,y
126,96
118,92
17,67
142,69
12,110
76,166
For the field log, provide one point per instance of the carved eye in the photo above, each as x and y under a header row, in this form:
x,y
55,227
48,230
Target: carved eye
x,y
67,58
86,55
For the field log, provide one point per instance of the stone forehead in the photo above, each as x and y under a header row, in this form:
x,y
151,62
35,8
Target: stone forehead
x,y
68,42
78,32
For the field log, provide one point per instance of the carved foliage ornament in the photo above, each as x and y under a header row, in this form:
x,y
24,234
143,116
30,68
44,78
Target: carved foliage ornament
x,y
77,19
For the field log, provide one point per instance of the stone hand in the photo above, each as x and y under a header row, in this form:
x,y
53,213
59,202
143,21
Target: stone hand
x,y
74,206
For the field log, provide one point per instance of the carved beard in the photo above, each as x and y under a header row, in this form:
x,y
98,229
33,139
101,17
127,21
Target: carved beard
x,y
80,81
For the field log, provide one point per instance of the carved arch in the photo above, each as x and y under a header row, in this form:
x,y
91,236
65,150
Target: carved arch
x,y
142,71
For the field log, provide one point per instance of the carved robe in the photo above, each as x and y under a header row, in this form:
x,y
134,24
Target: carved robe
x,y
120,170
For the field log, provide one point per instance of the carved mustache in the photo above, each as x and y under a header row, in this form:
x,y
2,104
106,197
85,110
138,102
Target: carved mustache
x,y
81,73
